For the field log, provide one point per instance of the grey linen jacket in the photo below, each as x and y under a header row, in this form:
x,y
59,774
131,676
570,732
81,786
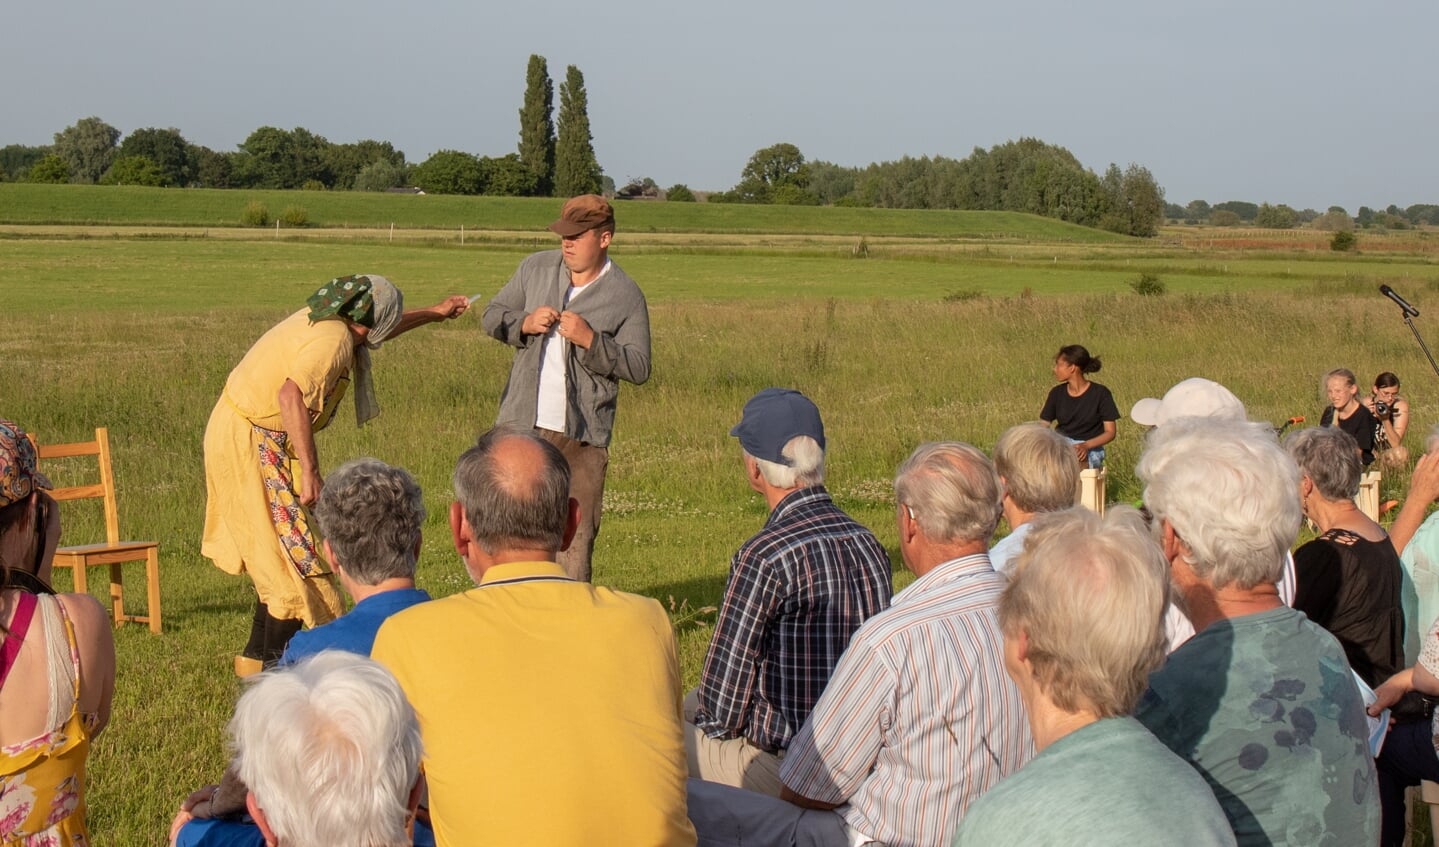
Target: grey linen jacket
x,y
617,313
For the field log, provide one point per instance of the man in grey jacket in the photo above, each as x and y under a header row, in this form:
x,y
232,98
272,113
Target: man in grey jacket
x,y
580,325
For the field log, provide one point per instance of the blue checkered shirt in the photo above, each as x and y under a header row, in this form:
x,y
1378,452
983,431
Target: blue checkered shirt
x,y
797,591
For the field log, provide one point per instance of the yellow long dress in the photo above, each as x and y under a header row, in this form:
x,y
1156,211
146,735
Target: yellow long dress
x,y
252,520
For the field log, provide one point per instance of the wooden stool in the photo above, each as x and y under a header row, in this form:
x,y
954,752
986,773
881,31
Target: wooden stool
x,y
1091,490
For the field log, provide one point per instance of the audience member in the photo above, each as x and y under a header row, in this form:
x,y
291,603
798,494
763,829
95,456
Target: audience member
x,y
1391,415
1037,468
920,718
330,750
1195,397
1346,412
1083,621
1083,411
1261,701
550,707
1202,398
797,591
57,664
370,515
1408,755
1417,541
1350,576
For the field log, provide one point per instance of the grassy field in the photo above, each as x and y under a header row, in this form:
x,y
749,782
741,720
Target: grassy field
x,y
921,341
22,203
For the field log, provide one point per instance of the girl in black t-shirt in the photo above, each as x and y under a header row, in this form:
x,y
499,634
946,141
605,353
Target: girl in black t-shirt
x,y
1346,412
1084,410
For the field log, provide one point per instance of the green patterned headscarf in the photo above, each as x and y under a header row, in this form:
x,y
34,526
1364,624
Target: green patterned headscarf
x,y
345,297
372,302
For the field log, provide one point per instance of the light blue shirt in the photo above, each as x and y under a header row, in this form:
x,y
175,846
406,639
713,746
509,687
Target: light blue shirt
x,y
1003,554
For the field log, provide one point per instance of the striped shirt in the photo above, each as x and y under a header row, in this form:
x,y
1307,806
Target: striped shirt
x,y
920,718
797,591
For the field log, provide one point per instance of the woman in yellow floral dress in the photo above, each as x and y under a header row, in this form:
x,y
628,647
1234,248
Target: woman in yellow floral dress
x,y
285,390
57,666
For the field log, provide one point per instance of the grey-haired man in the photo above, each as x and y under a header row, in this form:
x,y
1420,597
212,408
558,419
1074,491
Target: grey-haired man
x,y
796,593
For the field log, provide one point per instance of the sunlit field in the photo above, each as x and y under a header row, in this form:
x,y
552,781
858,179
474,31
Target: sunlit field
x,y
926,333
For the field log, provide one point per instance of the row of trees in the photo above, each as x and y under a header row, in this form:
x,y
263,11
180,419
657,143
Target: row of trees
x,y
1027,175
1280,216
91,152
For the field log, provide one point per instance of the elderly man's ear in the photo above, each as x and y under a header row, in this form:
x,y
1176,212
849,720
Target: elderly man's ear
x,y
459,529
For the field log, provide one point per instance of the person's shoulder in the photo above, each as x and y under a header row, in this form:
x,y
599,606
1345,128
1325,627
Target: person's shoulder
x,y
425,614
84,612
618,274
643,618
637,603
1002,815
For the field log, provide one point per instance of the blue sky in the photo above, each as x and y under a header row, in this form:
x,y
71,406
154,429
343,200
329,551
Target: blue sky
x,y
1309,104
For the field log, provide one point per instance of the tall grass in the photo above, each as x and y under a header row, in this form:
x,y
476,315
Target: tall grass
x,y
139,335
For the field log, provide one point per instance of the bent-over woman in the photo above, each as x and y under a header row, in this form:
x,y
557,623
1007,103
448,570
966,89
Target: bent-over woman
x,y
284,391
1083,411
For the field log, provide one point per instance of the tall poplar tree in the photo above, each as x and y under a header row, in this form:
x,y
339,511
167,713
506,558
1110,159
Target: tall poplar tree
x,y
537,127
576,170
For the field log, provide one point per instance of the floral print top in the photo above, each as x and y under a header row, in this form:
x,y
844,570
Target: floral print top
x,y
42,781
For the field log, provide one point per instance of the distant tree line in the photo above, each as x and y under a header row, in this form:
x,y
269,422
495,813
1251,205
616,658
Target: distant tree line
x,y
1280,216
547,163
1027,175
556,157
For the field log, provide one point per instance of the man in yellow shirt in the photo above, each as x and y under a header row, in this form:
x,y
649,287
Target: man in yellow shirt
x,y
550,708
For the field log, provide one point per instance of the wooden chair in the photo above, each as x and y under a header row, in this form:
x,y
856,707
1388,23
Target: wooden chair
x,y
113,551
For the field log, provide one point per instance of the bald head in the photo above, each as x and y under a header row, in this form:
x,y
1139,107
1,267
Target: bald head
x,y
514,489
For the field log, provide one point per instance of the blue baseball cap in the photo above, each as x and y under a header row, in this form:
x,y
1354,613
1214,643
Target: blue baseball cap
x,y
773,417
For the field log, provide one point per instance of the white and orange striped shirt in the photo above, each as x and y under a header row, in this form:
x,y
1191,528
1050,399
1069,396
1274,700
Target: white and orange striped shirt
x,y
919,718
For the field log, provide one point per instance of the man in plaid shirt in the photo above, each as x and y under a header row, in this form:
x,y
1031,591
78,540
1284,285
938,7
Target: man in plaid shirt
x,y
797,591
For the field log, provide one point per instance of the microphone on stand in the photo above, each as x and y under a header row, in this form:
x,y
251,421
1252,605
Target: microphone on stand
x,y
1403,304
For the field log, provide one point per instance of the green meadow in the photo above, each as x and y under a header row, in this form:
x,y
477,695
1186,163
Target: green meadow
x,y
127,312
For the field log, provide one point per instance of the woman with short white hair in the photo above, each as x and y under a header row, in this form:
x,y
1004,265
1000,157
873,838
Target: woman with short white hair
x,y
330,750
1083,621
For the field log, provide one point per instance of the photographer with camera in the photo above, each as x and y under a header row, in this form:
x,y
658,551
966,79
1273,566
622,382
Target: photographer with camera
x,y
1391,415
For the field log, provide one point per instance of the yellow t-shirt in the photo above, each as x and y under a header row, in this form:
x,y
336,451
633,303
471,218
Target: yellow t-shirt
x,y
550,711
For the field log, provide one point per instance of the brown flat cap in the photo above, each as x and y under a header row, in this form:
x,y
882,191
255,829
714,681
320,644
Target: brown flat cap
x,y
582,214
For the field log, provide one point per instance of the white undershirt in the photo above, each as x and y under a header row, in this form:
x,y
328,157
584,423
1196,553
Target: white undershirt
x,y
550,410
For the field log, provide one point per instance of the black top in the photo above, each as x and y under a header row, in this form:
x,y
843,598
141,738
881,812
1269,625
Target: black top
x,y
1080,417
1361,425
1350,586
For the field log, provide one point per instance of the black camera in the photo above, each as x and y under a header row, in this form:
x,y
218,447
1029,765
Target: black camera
x,y
1382,409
